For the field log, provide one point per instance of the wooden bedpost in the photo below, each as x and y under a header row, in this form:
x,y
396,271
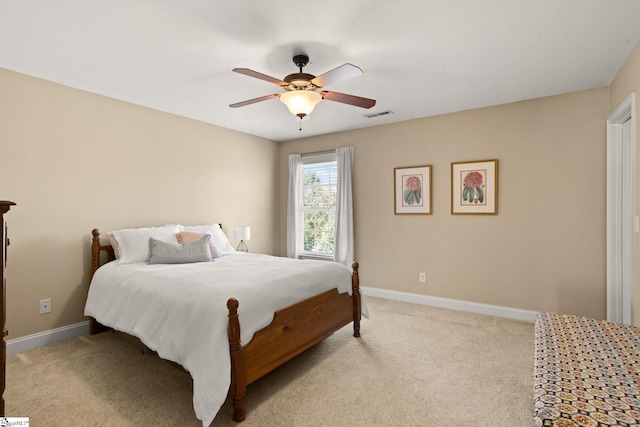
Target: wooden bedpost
x,y
94,326
95,252
357,307
238,381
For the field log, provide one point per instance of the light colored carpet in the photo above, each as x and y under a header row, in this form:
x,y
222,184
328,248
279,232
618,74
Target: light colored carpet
x,y
413,366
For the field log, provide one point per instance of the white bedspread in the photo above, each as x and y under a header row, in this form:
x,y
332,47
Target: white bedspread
x,y
180,310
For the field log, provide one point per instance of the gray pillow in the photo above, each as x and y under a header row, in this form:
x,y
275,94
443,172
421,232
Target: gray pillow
x,y
175,253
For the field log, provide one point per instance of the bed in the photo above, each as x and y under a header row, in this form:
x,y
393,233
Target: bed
x,y
586,372
240,316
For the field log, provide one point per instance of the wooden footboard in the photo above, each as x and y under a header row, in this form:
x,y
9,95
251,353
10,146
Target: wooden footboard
x,y
293,330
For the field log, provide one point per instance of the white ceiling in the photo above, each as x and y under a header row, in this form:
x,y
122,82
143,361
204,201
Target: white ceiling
x,y
420,57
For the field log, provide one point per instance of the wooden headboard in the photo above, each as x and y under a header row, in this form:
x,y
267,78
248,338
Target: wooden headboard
x,y
96,248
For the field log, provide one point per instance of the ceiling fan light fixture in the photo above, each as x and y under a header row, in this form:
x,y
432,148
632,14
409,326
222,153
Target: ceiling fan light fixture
x,y
300,102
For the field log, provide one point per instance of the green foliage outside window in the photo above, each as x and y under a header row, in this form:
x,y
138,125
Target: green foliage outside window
x,y
319,207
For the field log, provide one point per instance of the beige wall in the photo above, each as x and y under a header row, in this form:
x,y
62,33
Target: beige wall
x,y
627,81
545,250
73,161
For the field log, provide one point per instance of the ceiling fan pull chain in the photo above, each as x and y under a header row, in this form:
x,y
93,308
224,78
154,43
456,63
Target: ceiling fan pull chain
x,y
300,124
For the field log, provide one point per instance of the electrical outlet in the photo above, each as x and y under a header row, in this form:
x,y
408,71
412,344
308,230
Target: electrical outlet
x,y
45,306
423,278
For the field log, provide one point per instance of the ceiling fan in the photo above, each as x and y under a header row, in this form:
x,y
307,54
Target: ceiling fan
x,y
303,91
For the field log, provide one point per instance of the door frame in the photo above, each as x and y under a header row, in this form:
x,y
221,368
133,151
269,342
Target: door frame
x,y
621,214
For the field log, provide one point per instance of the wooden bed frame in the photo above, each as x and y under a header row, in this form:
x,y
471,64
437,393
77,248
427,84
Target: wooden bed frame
x,y
293,330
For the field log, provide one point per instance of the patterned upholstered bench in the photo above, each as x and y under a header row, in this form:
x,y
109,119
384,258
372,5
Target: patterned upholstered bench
x,y
587,372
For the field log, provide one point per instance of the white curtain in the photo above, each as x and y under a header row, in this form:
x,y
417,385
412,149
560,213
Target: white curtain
x,y
343,250
293,223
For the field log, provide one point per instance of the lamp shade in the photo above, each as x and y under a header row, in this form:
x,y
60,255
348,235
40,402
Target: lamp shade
x,y
300,102
242,233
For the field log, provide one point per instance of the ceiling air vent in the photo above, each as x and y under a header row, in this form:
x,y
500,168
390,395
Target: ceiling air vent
x,y
382,113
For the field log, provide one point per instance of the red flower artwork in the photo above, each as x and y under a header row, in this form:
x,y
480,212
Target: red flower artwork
x,y
473,191
473,179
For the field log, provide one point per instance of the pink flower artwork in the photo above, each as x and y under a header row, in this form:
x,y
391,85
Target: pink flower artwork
x,y
412,192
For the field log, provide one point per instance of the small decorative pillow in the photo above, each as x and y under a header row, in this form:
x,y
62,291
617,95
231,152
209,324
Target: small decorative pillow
x,y
175,253
188,236
220,239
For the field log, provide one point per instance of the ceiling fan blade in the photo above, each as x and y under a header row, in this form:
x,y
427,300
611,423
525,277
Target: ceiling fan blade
x,y
348,99
257,75
336,75
254,100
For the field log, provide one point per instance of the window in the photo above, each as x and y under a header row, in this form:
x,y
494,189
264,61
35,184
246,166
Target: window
x,y
318,205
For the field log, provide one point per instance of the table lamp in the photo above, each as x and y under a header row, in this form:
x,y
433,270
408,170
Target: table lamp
x,y
242,234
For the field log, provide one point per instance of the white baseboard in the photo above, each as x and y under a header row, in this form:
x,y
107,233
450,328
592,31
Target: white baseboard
x,y
29,342
472,307
21,344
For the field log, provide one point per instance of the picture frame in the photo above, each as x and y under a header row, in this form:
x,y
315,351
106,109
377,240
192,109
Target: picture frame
x,y
412,190
474,187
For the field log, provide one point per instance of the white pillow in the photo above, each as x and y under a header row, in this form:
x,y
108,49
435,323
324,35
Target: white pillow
x,y
219,238
133,243
114,244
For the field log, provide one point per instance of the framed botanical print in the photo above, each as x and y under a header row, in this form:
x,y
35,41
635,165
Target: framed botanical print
x,y
474,187
412,190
